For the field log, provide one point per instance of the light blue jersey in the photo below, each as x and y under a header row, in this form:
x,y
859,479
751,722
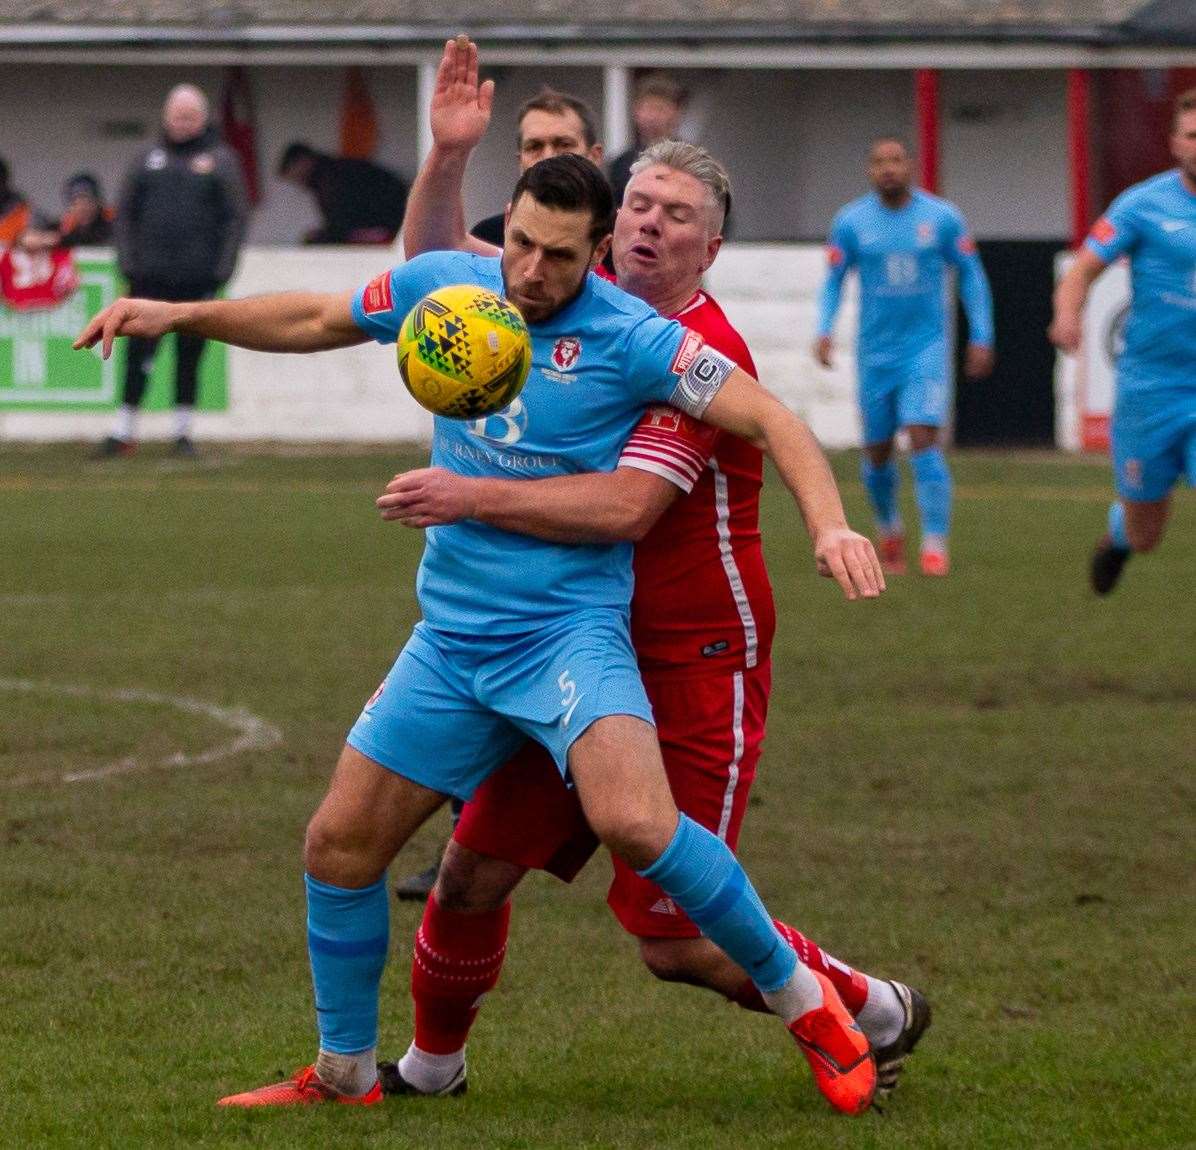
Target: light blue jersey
x,y
901,256
597,363
1154,224
1154,419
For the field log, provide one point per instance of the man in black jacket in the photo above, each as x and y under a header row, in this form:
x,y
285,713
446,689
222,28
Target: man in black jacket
x,y
179,223
360,202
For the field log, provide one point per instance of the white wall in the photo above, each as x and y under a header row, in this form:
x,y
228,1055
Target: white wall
x,y
769,292
1004,152
795,141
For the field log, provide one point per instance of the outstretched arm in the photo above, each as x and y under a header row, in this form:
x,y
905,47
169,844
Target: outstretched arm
x,y
1070,295
744,408
289,321
839,260
597,507
460,114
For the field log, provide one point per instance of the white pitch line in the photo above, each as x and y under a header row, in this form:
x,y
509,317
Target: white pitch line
x,y
251,732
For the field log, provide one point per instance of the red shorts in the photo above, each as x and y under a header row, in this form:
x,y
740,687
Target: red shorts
x,y
711,733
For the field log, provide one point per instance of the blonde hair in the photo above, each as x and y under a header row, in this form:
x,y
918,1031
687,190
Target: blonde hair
x,y
693,160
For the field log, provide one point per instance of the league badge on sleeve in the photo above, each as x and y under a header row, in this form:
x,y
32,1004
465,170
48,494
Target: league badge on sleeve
x,y
377,297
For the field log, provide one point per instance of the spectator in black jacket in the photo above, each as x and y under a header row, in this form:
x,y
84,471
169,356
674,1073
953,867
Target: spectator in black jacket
x,y
180,220
656,112
360,202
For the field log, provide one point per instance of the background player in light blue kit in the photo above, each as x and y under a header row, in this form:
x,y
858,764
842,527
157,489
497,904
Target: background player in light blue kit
x,y
1154,416
901,241
525,638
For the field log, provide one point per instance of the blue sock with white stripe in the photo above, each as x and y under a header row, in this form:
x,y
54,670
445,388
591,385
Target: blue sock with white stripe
x,y
699,872
932,487
348,932
881,483
1117,525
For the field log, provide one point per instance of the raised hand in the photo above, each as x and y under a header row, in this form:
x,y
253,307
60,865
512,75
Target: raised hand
x,y
461,107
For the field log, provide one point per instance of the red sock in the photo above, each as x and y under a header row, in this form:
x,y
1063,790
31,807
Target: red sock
x,y
458,958
851,985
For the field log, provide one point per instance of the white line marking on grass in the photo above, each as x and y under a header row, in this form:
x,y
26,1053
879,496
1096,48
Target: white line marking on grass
x,y
250,732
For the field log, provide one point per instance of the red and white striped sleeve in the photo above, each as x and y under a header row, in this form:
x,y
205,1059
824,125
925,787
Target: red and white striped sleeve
x,y
671,444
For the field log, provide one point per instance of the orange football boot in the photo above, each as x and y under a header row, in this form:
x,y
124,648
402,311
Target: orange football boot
x,y
837,1051
303,1088
892,554
935,563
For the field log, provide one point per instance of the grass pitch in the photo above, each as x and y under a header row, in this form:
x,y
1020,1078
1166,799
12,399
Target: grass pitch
x,y
982,785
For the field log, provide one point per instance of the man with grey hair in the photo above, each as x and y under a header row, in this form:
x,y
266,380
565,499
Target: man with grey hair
x,y
180,219
702,621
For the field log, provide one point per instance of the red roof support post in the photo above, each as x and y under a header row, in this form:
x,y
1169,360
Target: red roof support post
x,y
1079,153
926,107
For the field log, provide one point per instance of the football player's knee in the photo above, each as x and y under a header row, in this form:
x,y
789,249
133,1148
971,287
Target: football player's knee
x,y
333,851
472,884
639,836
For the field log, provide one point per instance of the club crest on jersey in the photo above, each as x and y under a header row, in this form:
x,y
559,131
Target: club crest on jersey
x,y
566,352
668,418
925,234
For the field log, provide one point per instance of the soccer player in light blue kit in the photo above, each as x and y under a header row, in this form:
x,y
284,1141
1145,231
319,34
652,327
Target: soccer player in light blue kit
x,y
1154,418
526,638
901,241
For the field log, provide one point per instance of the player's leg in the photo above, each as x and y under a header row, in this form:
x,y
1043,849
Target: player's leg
x,y
416,886
933,491
922,409
1151,449
458,957
622,786
878,467
579,693
420,736
367,814
711,733
521,817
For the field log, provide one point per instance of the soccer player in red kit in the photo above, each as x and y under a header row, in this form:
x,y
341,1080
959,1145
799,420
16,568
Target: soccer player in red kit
x,y
702,624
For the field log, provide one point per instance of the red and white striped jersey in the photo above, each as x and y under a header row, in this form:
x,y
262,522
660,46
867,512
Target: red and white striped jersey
x,y
703,603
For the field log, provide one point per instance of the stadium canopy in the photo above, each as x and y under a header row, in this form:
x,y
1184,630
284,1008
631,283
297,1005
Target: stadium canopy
x,y
764,33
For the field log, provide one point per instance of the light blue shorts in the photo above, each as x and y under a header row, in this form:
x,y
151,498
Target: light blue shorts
x,y
905,394
454,708
1153,441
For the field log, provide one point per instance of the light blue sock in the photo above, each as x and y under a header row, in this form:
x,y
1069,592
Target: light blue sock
x,y
932,487
703,877
1117,525
881,483
347,936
